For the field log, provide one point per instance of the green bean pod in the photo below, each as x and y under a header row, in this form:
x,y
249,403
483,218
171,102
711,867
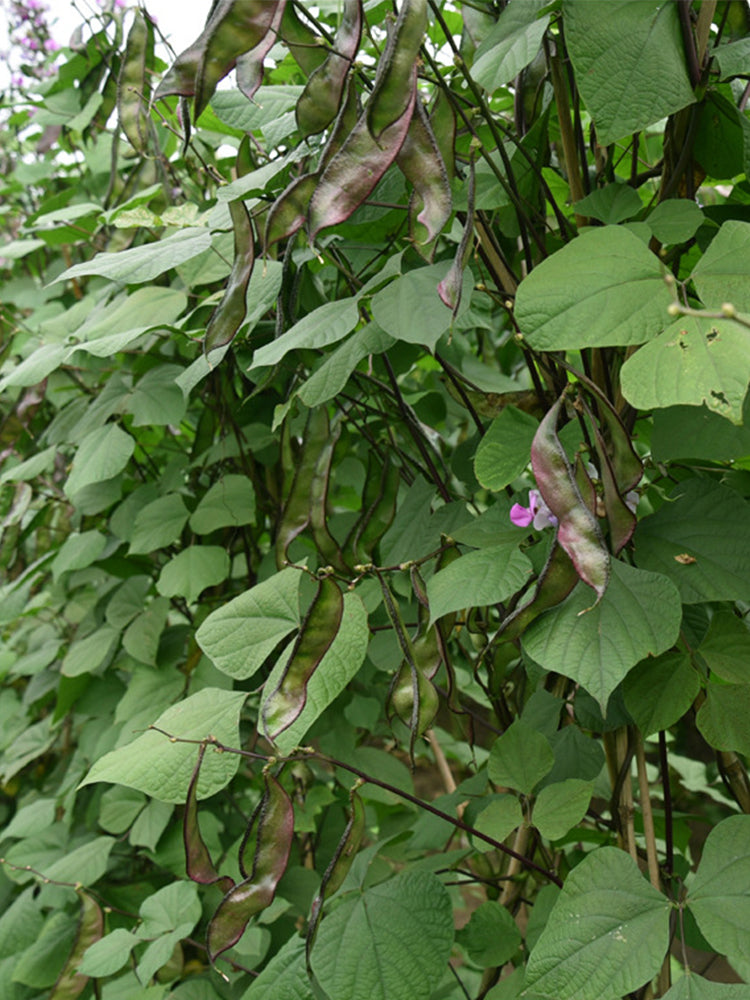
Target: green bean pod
x,y
134,82
272,835
389,100
420,161
227,318
288,213
578,530
319,102
320,627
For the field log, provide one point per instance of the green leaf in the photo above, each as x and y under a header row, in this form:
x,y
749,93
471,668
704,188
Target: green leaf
x,y
141,638
675,220
192,570
491,937
500,818
693,432
660,690
242,634
331,377
606,936
561,806
616,59
511,44
20,925
695,361
733,58
285,977
35,367
168,908
109,954
78,551
505,450
410,309
611,204
269,103
158,524
102,454
520,758
154,765
603,289
229,503
157,399
132,314
86,655
140,264
701,541
722,273
339,665
41,964
724,717
726,648
485,576
85,864
693,987
719,897
323,326
638,616
391,942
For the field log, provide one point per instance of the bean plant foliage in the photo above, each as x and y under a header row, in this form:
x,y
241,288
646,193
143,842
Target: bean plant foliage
x,y
374,504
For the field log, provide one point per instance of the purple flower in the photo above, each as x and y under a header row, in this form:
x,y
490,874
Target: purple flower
x,y
537,513
51,45
17,80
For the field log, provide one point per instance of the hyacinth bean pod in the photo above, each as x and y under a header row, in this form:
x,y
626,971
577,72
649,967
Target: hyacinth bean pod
x,y
301,470
319,102
390,100
134,85
250,64
450,288
578,530
555,582
622,520
272,831
233,28
320,627
354,170
338,867
378,506
420,161
228,316
198,863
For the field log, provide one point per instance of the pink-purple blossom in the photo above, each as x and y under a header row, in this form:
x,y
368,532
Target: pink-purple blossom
x,y
537,513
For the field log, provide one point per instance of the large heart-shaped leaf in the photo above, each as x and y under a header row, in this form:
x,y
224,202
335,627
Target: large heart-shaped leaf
x,y
638,616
